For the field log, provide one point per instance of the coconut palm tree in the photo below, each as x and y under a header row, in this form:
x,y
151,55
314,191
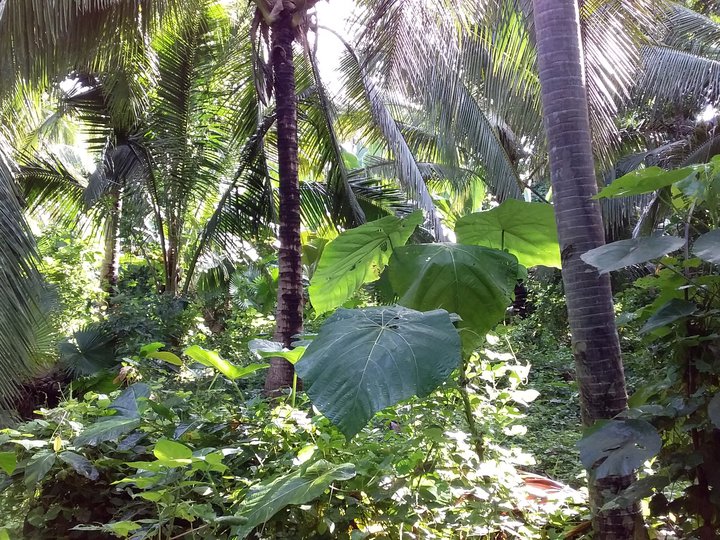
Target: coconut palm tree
x,y
595,342
38,44
195,156
480,98
284,20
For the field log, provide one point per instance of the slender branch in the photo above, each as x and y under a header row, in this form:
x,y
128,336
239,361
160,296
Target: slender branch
x,y
530,177
155,199
467,409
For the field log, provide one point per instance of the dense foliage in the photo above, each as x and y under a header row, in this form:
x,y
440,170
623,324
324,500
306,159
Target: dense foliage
x,y
248,296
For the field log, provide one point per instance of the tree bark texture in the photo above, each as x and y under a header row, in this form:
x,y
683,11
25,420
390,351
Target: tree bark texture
x,y
111,256
595,342
289,314
172,257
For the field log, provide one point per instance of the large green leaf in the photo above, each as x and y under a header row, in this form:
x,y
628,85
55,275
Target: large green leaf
x,y
364,360
355,257
126,419
274,349
172,454
475,282
673,310
214,360
8,462
38,466
622,253
643,181
527,230
618,447
302,486
80,464
707,247
126,403
106,430
165,356
714,410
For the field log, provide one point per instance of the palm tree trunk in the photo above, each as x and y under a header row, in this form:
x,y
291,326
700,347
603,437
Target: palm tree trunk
x,y
595,343
289,314
172,271
111,256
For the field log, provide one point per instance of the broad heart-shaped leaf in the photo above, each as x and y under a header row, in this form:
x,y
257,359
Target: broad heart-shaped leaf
x,y
172,454
165,356
127,403
106,430
670,312
707,247
38,467
302,486
80,464
121,528
214,360
8,462
151,348
475,282
364,360
622,253
618,447
527,230
643,181
355,257
274,349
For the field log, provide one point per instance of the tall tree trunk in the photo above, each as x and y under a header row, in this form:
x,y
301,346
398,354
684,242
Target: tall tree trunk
x,y
111,256
172,258
289,314
595,343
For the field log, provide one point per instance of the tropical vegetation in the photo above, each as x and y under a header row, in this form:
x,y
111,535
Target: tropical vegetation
x,y
424,269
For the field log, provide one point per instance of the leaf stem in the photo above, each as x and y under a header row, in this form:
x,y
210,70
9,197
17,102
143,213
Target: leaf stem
x,y
467,409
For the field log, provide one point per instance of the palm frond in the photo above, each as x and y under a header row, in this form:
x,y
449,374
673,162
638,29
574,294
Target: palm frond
x,y
246,203
476,93
371,99
703,152
377,198
613,35
43,41
90,350
691,31
51,187
678,77
322,142
20,311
